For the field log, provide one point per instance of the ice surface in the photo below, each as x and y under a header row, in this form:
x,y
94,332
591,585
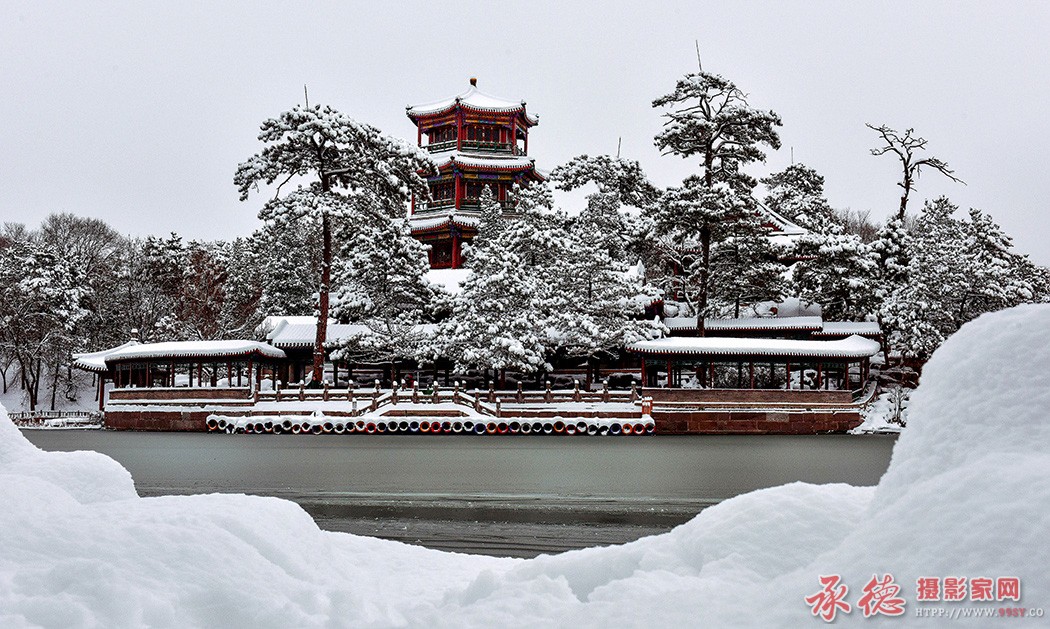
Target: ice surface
x,y
967,493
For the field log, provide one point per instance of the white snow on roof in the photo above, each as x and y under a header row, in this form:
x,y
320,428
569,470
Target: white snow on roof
x,y
451,279
303,332
96,361
194,349
507,162
783,225
430,220
747,323
852,347
846,328
474,99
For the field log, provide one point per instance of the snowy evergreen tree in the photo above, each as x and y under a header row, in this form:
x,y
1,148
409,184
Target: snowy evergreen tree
x,y
491,221
493,323
619,182
382,284
593,307
289,266
745,266
836,271
42,300
797,193
350,168
709,118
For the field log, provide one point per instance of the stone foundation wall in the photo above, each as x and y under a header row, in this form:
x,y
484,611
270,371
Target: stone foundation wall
x,y
753,422
173,421
752,396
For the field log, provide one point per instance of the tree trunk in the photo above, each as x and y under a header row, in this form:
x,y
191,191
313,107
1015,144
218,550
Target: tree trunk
x,y
322,307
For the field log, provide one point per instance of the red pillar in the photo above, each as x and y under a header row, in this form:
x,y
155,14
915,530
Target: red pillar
x,y
101,391
526,150
459,130
459,189
670,375
456,255
643,371
788,375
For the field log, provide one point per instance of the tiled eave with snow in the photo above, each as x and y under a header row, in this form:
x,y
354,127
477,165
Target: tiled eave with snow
x,y
299,335
96,361
852,348
426,223
472,99
749,324
848,328
510,163
195,350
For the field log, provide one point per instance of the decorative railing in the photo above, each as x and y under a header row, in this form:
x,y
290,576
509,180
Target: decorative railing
x,y
475,145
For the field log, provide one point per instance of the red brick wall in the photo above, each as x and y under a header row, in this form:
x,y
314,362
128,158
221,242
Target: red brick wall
x,y
158,420
764,396
207,393
753,422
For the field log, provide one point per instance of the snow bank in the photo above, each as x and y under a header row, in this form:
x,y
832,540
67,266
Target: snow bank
x,y
966,494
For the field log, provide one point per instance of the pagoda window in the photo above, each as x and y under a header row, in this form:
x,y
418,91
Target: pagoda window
x,y
442,135
443,193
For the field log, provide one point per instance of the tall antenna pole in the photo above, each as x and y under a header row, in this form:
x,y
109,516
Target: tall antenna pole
x,y
306,95
619,141
792,156
699,63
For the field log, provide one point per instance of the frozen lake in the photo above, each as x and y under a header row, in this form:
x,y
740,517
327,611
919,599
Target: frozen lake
x,y
516,496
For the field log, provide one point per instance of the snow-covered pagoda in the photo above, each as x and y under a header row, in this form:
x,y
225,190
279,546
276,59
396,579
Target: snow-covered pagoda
x,y
476,140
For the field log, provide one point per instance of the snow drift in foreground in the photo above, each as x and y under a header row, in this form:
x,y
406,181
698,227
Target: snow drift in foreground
x,y
967,494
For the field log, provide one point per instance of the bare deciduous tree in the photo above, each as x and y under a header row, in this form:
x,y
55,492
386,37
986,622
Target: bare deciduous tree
x,y
905,146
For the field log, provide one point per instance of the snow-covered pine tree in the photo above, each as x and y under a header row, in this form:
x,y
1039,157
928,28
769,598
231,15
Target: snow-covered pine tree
x,y
1000,277
493,324
491,220
594,306
42,300
350,168
381,280
619,182
836,271
289,267
745,266
797,193
922,310
709,118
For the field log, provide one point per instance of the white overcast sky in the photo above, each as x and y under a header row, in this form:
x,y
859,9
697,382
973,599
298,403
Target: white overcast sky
x,y
138,113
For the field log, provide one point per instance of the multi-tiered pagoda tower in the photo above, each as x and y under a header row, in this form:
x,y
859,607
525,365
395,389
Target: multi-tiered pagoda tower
x,y
476,140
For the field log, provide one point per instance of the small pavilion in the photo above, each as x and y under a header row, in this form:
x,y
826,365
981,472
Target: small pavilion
x,y
736,363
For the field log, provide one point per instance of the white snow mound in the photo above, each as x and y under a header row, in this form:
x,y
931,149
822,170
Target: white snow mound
x,y
967,494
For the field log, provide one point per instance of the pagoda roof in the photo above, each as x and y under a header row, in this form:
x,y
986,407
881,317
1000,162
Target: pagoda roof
x,y
427,222
851,348
474,99
485,162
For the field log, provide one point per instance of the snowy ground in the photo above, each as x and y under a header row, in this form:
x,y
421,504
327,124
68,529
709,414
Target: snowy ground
x,y
966,494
